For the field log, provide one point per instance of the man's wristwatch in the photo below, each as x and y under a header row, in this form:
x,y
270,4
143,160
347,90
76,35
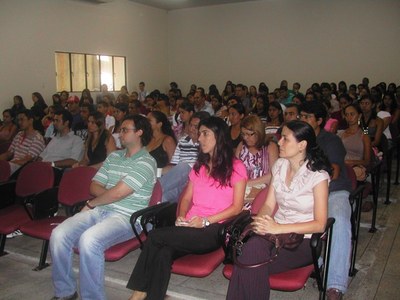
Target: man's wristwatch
x,y
88,205
206,223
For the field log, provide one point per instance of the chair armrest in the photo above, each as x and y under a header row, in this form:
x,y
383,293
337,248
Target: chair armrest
x,y
356,193
162,216
317,237
316,248
140,214
43,204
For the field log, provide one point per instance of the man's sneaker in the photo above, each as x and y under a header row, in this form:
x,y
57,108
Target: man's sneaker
x,y
14,234
334,294
70,297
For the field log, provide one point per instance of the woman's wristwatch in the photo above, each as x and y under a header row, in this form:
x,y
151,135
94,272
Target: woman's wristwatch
x,y
206,223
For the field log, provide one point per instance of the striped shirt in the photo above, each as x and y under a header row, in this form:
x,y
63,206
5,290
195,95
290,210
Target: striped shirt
x,y
186,151
137,171
23,145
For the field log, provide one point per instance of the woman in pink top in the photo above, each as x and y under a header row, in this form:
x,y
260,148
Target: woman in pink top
x,y
299,187
214,193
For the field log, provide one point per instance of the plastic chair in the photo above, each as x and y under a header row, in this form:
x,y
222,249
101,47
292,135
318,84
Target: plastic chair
x,y
33,181
296,279
118,251
355,199
193,265
73,190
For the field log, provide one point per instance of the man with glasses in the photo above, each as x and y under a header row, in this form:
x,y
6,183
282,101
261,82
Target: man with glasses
x,y
176,174
315,114
123,185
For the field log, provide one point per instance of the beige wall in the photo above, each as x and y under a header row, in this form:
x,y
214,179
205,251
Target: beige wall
x,y
31,30
297,40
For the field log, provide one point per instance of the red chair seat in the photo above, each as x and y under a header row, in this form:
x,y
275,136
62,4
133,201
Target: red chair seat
x,y
291,280
118,251
198,265
42,229
12,217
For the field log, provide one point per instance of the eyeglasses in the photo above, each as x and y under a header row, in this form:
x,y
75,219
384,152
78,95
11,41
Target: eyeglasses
x,y
125,130
245,134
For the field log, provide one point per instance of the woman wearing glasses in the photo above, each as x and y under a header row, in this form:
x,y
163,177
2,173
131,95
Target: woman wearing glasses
x,y
257,154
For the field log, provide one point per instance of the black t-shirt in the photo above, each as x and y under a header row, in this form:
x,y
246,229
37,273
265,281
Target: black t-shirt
x,y
333,148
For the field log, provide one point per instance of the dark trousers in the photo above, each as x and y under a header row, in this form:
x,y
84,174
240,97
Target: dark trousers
x,y
253,283
153,268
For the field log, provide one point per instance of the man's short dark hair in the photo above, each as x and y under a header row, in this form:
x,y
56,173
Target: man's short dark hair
x,y
89,106
202,115
142,123
27,112
293,105
317,108
65,115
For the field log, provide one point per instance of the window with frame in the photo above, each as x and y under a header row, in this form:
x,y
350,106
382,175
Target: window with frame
x,y
78,71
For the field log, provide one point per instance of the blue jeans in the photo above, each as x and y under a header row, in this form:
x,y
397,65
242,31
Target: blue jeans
x,y
92,232
340,209
175,181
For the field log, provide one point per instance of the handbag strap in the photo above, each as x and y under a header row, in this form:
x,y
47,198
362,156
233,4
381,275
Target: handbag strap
x,y
237,248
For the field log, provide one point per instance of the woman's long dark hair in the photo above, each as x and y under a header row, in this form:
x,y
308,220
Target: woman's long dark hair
x,y
166,125
317,159
222,159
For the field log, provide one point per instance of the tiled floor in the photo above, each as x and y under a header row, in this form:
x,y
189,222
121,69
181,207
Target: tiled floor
x,y
377,262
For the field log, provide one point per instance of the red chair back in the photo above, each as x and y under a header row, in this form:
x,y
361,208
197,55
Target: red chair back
x,y
35,177
259,201
5,170
75,186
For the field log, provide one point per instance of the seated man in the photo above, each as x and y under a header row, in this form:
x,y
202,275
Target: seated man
x,y
26,145
315,114
175,175
65,148
123,185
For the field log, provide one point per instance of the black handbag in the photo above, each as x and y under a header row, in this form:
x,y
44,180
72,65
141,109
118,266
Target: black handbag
x,y
289,241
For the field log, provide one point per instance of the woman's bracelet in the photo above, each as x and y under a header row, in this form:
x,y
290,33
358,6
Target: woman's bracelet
x,y
88,205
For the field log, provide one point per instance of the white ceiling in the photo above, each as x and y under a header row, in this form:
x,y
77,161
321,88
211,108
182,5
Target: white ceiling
x,y
178,4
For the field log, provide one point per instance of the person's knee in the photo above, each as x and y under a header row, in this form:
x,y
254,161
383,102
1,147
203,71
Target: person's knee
x,y
88,243
58,235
